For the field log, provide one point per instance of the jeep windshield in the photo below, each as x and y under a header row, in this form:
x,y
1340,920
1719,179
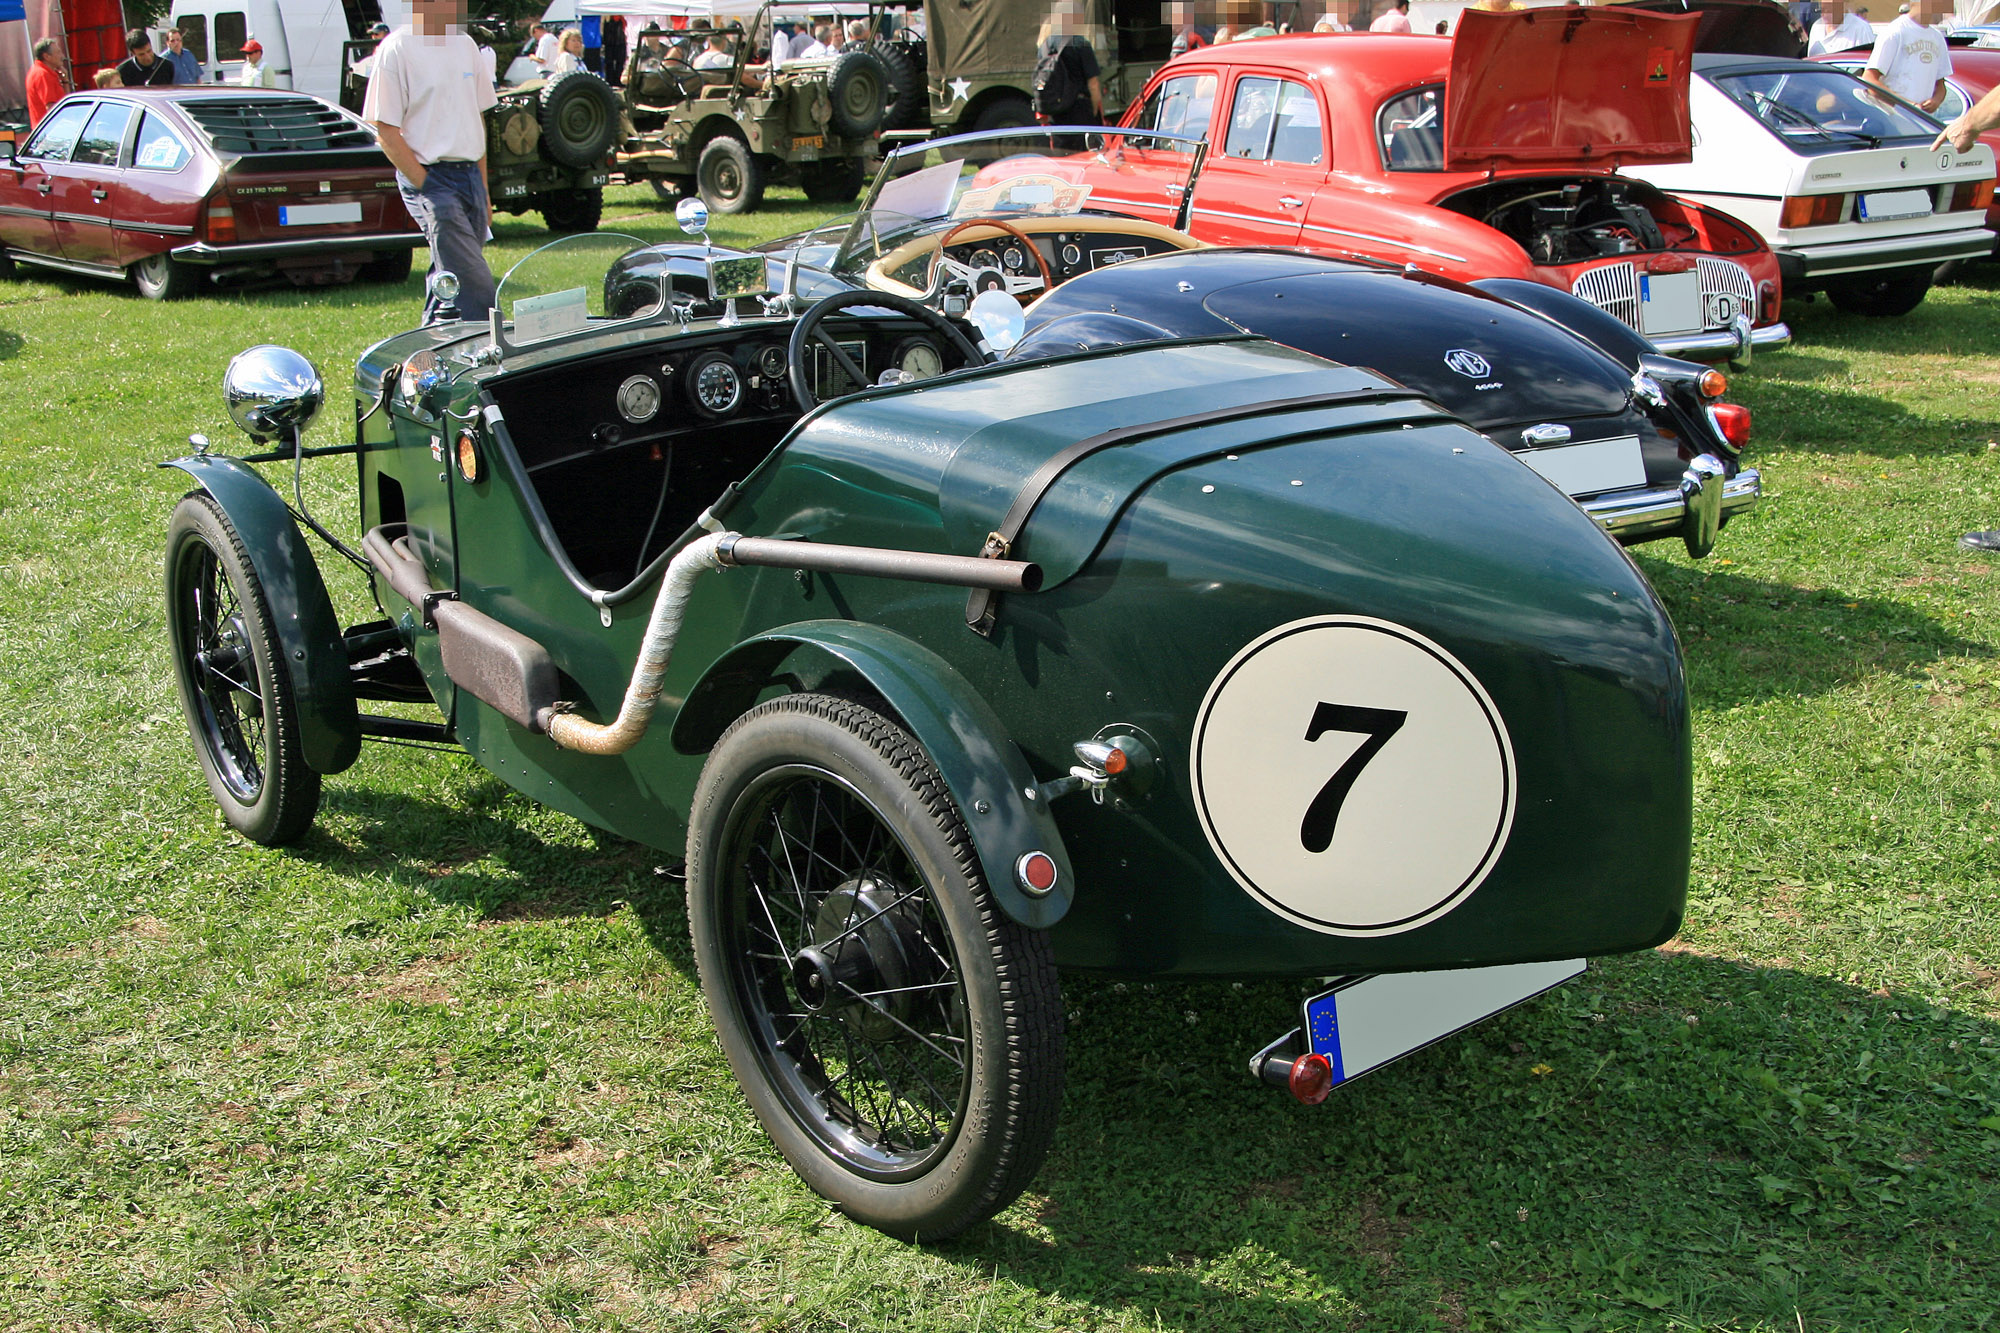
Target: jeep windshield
x,y
1009,175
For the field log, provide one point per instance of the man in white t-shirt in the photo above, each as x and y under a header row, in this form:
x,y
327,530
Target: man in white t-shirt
x,y
1911,59
1838,29
426,101
546,46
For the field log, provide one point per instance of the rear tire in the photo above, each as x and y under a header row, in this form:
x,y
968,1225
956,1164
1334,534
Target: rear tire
x,y
393,267
731,178
1881,295
834,182
164,278
572,210
1003,113
897,1034
234,683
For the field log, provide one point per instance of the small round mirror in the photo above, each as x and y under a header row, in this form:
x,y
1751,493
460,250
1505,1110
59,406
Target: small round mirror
x,y
998,318
692,214
272,390
442,288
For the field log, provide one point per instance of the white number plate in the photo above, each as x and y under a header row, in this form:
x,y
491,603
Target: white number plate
x,y
1884,204
1587,469
314,215
1669,302
1365,1024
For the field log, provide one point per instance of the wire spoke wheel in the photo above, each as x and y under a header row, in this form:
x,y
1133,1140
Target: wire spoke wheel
x,y
867,990
234,688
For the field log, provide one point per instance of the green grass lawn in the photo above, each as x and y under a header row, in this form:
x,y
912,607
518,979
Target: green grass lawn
x,y
445,1064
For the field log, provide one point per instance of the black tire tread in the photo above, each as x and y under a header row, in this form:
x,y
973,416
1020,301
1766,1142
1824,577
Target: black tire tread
x,y
578,83
292,788
586,211
1030,988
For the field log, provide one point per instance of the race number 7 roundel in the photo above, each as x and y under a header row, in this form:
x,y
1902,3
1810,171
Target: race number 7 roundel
x,y
1353,775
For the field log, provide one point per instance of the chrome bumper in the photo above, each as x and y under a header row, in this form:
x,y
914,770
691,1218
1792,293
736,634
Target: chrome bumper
x,y
201,252
1736,343
1694,509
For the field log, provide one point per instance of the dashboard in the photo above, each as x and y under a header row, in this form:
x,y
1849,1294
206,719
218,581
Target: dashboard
x,y
1071,247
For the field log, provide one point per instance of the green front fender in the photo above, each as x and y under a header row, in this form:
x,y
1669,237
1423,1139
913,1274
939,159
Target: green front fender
x,y
982,767
301,611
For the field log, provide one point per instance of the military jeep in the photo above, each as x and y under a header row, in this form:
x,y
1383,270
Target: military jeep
x,y
548,142
729,131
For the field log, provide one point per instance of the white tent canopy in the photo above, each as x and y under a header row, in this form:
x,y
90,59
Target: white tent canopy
x,y
672,9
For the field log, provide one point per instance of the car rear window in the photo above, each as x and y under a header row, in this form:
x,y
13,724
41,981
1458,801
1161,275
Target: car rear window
x,y
1410,128
275,124
1818,105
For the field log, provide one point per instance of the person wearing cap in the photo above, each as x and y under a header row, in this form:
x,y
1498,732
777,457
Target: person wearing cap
x,y
427,102
255,73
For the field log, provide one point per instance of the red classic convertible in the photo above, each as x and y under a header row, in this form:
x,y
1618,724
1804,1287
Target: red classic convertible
x,y
1349,144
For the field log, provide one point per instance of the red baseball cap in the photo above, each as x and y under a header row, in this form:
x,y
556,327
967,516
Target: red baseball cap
x,y
253,45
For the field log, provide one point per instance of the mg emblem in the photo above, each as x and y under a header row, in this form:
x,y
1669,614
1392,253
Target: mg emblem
x,y
1469,364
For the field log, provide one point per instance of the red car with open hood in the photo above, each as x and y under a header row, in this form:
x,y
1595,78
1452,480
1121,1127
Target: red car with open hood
x,y
1494,154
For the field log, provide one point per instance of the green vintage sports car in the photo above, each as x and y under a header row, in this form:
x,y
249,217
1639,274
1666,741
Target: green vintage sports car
x,y
1193,657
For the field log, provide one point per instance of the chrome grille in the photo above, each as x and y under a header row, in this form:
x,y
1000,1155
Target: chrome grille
x,y
1614,289
1724,277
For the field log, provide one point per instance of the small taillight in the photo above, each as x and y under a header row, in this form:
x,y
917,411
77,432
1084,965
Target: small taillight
x,y
218,222
1311,1078
1713,384
1972,195
1036,872
468,455
1732,421
1812,210
1768,301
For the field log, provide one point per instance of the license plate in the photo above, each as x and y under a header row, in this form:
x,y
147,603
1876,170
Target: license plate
x,y
1586,469
315,215
1366,1022
1884,204
808,141
1669,302
512,190
597,178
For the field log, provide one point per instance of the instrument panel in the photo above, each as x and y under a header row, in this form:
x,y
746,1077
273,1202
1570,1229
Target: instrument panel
x,y
1069,253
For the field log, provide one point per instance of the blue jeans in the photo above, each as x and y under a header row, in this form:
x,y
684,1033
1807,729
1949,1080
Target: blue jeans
x,y
453,212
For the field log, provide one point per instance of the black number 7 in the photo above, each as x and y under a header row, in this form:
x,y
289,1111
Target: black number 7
x,y
1378,725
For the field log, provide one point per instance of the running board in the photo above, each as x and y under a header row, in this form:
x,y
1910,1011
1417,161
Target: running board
x,y
382,728
69,266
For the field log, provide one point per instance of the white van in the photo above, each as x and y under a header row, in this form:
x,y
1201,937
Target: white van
x,y
301,38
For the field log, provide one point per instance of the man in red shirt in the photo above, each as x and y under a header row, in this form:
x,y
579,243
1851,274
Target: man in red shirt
x,y
45,85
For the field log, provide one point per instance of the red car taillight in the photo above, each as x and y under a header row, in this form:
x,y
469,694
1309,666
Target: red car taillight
x,y
1812,210
1972,195
218,222
1732,421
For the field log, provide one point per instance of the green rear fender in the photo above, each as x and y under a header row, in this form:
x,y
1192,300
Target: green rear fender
x,y
315,654
983,768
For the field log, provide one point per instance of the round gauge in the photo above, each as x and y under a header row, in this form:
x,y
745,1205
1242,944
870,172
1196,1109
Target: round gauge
x,y
1071,254
920,359
985,259
639,399
715,385
772,362
1014,259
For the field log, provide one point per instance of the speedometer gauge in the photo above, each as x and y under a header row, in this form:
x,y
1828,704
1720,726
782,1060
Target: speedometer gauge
x,y
638,399
1014,259
985,259
714,385
920,359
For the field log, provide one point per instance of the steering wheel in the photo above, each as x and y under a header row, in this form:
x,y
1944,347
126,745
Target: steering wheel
x,y
807,332
1015,287
682,79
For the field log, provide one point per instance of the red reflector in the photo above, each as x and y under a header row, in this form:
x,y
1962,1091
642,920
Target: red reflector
x,y
1733,420
1813,210
1668,263
1767,302
1311,1078
1037,872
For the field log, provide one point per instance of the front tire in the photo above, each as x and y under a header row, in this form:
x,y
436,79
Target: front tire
x,y
730,177
1881,295
164,278
234,686
896,1033
836,181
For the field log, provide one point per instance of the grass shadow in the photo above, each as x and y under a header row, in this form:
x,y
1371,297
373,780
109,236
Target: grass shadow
x,y
10,344
1748,638
1671,1136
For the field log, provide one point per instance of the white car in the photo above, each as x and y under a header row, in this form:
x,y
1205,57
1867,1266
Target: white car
x,y
1837,176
